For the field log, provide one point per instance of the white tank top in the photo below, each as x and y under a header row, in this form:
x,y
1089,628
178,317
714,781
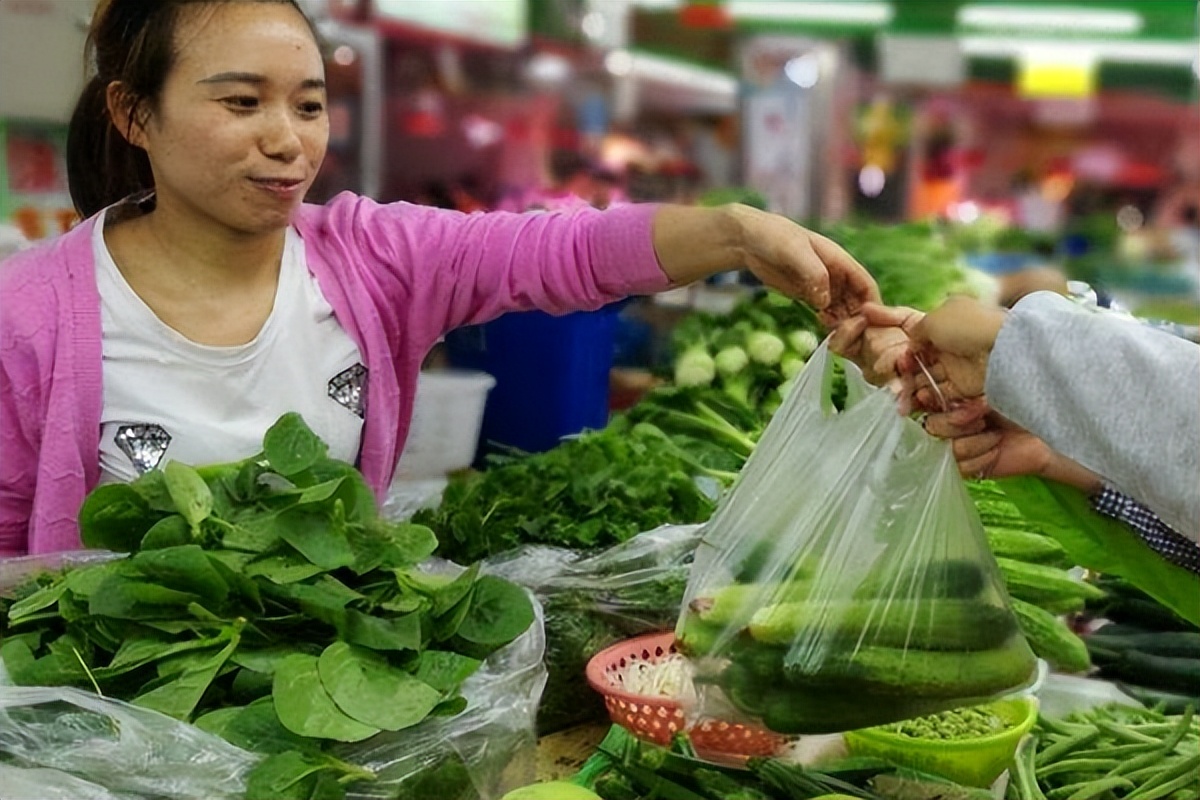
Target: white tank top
x,y
169,398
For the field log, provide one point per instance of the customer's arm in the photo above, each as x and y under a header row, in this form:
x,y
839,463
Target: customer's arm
x,y
1120,398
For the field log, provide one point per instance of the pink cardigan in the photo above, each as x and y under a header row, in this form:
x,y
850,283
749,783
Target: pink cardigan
x,y
398,276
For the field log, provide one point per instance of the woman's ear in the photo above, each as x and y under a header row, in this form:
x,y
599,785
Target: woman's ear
x,y
127,115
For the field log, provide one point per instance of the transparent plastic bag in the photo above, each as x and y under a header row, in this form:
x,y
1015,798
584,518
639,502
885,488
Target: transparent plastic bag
x,y
131,752
116,747
33,783
595,601
845,580
480,754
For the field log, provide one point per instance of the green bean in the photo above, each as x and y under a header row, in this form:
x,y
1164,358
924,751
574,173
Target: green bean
x,y
1023,770
1119,751
1127,734
1166,789
1168,746
1059,749
1097,788
1185,766
1078,765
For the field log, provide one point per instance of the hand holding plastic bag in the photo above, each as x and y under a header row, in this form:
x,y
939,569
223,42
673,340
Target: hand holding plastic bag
x,y
845,580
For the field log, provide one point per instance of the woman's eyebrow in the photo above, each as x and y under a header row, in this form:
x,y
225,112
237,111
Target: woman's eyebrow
x,y
254,78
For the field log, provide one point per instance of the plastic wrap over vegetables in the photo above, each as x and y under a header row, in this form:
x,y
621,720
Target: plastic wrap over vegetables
x,y
594,601
61,742
845,581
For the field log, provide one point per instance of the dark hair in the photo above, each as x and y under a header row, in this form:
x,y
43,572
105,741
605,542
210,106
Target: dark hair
x,y
131,41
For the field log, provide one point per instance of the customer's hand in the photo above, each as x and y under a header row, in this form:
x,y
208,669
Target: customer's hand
x,y
986,445
954,343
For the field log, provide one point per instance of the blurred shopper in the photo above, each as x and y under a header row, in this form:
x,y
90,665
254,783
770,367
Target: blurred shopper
x,y
201,298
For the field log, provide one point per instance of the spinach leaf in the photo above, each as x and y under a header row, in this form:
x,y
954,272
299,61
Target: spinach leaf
x,y
178,698
114,517
283,776
152,488
257,727
446,626
41,599
191,495
283,568
370,690
252,531
305,708
500,612
444,670
311,534
265,659
167,532
127,598
215,722
139,651
377,633
291,447
185,568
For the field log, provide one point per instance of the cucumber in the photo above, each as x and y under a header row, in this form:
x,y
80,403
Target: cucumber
x,y
763,661
1171,702
1180,675
736,603
1145,614
1117,629
745,690
953,578
1025,546
1063,606
923,674
924,624
1050,639
1176,644
1034,582
796,711
697,638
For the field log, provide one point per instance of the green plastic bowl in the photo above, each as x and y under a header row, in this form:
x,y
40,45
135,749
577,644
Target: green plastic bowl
x,y
970,762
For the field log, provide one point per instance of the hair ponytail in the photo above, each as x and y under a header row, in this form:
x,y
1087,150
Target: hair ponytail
x,y
102,166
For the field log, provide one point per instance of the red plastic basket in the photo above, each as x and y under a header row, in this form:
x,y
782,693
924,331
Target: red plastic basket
x,y
657,719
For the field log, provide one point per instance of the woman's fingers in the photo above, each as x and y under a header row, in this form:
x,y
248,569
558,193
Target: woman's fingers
x,y
847,338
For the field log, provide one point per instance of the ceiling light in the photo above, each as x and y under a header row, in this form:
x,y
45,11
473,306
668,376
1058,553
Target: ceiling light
x,y
680,73
1133,52
619,62
785,10
1049,18
804,71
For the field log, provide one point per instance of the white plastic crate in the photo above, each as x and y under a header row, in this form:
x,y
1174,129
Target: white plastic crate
x,y
447,416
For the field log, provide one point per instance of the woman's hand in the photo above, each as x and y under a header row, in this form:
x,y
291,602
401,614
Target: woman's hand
x,y
693,243
877,350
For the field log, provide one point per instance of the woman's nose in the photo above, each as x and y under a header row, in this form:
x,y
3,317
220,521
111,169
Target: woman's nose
x,y
280,137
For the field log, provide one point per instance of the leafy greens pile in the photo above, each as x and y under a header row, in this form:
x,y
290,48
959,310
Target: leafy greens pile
x,y
264,601
593,491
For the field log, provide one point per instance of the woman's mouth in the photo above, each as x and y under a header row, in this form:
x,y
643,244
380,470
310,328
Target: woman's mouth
x,y
280,187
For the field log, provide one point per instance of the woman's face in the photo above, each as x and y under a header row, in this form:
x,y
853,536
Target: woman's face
x,y
241,126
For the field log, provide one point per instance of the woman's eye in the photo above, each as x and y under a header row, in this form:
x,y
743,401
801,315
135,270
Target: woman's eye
x,y
242,102
312,108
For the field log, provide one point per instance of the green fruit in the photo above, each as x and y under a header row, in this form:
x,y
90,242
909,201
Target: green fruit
x,y
554,790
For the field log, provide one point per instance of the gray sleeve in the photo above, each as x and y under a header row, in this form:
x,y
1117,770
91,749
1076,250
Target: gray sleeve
x,y
1120,398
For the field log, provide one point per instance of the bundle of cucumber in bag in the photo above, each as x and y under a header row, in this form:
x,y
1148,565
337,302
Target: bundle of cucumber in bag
x,y
845,580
